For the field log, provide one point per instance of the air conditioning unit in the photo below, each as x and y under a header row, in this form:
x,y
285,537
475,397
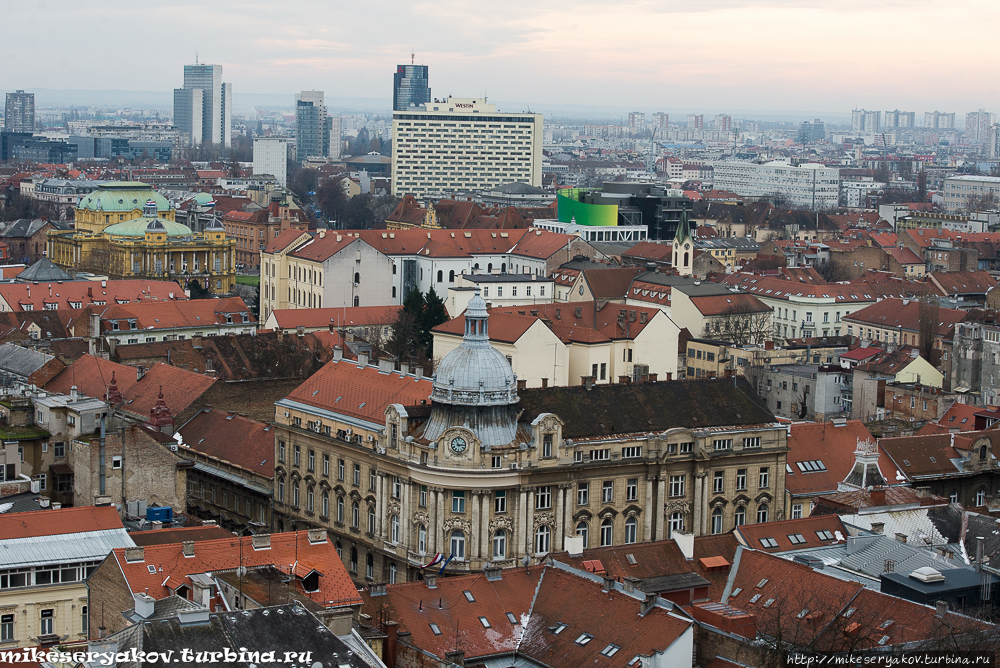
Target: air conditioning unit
x,y
513,466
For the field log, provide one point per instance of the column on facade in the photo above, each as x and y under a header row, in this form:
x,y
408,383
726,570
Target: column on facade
x,y
404,515
474,542
522,512
557,539
698,509
659,508
432,522
651,509
438,528
486,540
705,491
529,524
380,507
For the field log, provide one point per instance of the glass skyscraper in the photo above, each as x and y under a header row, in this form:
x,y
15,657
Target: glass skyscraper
x,y
409,86
205,95
312,125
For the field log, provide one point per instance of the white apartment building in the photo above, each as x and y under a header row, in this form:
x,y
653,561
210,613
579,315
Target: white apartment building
x,y
958,190
813,185
270,156
463,144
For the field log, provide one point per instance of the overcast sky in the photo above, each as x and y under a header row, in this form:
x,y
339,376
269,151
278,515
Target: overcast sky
x,y
822,55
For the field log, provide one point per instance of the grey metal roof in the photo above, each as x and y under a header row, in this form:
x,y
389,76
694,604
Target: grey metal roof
x,y
507,278
21,361
22,503
231,477
62,548
44,270
905,558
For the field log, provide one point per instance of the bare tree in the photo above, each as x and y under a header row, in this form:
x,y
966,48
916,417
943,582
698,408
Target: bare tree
x,y
741,325
929,317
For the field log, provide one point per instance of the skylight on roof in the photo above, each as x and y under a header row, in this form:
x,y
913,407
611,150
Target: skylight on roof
x,y
610,650
803,613
755,598
631,559
824,535
512,618
584,639
796,538
767,542
768,602
736,592
435,629
469,597
558,628
485,622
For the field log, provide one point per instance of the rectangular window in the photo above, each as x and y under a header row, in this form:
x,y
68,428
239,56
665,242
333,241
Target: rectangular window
x,y
796,511
632,489
357,475
500,501
763,479
341,465
753,442
497,461
741,479
547,445
297,455
372,479
607,491
281,451
722,444
397,488
458,501
677,485
600,455
48,619
582,493
423,496
718,482
326,464
543,500
687,448
7,628
630,452
312,459
604,370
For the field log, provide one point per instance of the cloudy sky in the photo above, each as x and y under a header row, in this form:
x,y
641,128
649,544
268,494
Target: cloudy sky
x,y
796,55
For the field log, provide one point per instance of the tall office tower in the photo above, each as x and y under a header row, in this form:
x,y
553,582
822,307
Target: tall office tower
x,y
892,119
19,112
335,136
939,120
812,131
270,156
661,120
636,121
216,107
977,125
312,126
696,122
475,148
993,142
723,123
409,87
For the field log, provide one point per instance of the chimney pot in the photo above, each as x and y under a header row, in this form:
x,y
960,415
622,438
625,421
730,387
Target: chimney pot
x,y
188,548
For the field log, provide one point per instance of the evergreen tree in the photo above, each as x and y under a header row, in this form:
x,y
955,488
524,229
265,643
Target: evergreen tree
x,y
434,315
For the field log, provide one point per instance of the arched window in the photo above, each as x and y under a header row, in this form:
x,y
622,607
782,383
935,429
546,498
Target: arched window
x,y
310,497
451,276
762,513
326,503
740,518
717,520
489,268
982,452
340,550
607,529
422,539
340,509
354,560
582,530
357,301
980,497
392,573
371,519
357,278
686,262
295,494
631,530
393,268
394,292
355,514
440,276
394,529
458,545
476,266
281,490
369,566
500,544
503,268
543,537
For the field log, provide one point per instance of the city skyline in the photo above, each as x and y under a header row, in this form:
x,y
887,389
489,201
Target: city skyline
x,y
717,56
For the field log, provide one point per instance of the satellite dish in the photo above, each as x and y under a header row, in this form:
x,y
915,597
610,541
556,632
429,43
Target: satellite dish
x,y
526,560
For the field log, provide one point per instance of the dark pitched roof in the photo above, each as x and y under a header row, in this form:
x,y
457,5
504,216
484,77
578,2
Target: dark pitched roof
x,y
44,270
647,407
232,438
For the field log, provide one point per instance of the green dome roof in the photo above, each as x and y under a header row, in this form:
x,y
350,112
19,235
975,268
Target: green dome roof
x,y
137,228
123,196
203,198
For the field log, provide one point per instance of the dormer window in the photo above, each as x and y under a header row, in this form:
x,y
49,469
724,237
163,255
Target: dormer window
x,y
132,324
229,318
114,326
76,304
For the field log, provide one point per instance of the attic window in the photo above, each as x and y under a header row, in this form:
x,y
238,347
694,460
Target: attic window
x,y
796,538
151,568
824,535
767,542
906,462
755,598
631,559
610,650
435,629
884,625
469,597
850,611
736,592
635,660
512,618
584,639
485,622
769,603
558,628
883,640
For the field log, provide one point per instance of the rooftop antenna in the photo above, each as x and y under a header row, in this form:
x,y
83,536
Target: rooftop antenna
x,y
413,56
195,57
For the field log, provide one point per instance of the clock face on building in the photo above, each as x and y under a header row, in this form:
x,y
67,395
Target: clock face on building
x,y
458,444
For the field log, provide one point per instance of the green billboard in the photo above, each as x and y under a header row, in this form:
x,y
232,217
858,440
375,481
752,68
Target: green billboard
x,y
573,210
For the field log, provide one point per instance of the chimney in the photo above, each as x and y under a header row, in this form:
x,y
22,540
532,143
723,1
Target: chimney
x,y
386,365
300,331
102,632
648,604
493,572
73,394
196,341
608,583
134,555
144,605
587,381
431,580
923,492
261,541
942,609
316,536
878,527
878,497
187,547
362,359
456,657
404,368
338,353
914,353
418,371
901,537
391,628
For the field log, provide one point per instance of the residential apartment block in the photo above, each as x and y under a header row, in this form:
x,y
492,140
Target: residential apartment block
x,y
463,144
811,185
960,191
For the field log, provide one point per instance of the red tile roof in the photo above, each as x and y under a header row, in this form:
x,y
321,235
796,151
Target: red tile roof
x,y
903,255
962,282
286,549
92,377
904,313
779,536
610,321
770,287
57,522
287,238
611,283
64,295
169,315
178,535
342,387
354,316
649,250
653,293
180,388
232,438
504,327
830,451
960,416
732,303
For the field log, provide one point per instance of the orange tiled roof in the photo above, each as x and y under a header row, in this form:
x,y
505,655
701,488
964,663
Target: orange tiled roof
x,y
56,522
826,453
20,295
354,316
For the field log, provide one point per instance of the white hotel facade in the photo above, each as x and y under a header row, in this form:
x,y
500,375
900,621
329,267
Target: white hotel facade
x,y
811,185
463,144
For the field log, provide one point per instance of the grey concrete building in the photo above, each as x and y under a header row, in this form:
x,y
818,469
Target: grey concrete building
x,y
805,391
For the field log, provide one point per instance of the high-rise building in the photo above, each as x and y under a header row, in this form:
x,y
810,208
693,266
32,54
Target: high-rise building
x,y
19,112
858,120
812,131
723,123
873,121
270,156
335,134
993,142
900,119
696,122
939,120
410,87
473,147
214,108
312,126
636,122
661,120
977,125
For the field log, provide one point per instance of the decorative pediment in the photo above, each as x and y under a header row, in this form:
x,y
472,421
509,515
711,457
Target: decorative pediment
x,y
279,470
741,500
633,511
763,497
296,476
679,506
392,508
310,480
355,494
719,502
421,517
325,485
501,522
583,515
340,490
453,523
605,513
540,519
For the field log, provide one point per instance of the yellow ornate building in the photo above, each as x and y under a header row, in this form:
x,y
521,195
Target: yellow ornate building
x,y
127,230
